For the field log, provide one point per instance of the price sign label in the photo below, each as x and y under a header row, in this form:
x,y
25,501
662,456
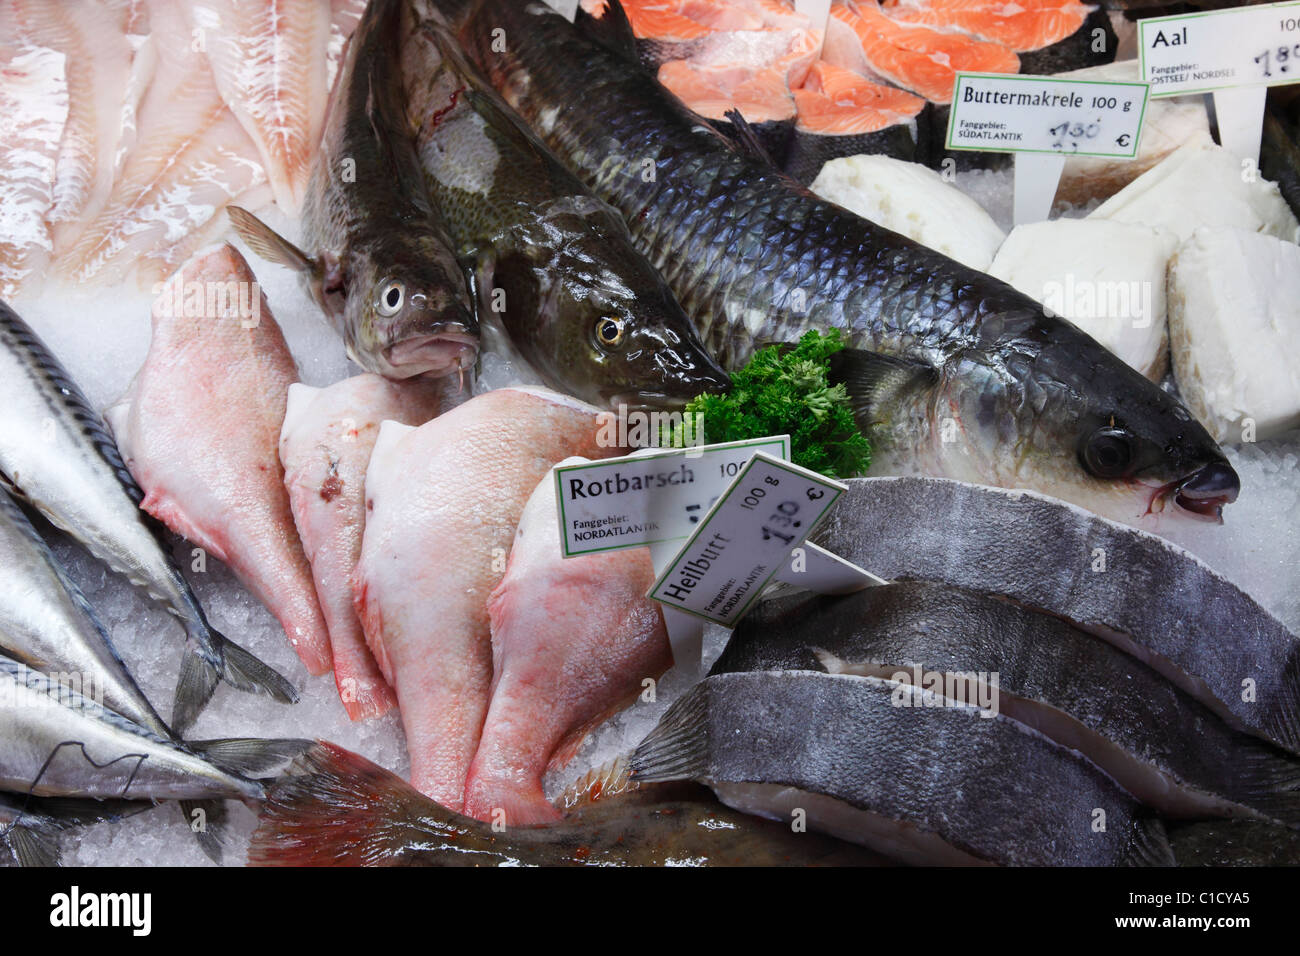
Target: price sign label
x,y
648,498
1221,49
745,539
1009,113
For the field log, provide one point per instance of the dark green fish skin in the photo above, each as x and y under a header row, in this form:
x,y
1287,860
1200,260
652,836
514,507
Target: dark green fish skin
x,y
1235,843
754,258
368,222
335,808
586,310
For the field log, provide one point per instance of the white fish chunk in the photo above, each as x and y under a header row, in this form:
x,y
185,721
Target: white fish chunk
x,y
1234,325
914,201
1106,277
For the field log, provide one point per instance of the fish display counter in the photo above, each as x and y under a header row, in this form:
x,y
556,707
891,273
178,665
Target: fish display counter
x,y
306,314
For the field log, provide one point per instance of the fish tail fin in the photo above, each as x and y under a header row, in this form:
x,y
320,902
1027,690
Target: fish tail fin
x,y
677,749
34,845
335,808
207,820
1283,723
266,242
1267,781
608,780
747,139
211,657
1149,845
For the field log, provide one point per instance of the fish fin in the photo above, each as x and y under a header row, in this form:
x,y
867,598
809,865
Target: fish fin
x,y
335,808
202,669
251,756
607,780
1150,845
747,139
210,831
677,749
612,30
873,380
268,243
34,847
512,803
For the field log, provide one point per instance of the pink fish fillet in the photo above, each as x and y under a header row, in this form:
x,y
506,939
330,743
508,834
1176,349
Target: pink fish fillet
x,y
572,641
442,503
269,61
325,446
200,429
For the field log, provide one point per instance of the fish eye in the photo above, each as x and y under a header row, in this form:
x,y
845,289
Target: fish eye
x,y
609,331
1108,453
391,294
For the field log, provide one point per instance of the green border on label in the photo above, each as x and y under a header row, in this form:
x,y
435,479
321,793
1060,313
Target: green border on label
x,y
956,90
1142,46
836,488
783,441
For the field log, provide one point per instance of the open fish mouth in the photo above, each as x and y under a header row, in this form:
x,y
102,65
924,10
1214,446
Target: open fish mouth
x,y
436,354
1202,494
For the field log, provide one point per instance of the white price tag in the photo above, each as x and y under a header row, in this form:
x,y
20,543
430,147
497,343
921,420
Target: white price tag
x,y
746,539
648,497
1010,113
1218,49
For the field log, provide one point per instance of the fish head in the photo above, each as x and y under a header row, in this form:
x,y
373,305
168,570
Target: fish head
x,y
408,314
1062,415
604,327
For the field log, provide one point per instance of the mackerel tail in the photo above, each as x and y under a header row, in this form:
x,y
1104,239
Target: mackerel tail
x,y
57,456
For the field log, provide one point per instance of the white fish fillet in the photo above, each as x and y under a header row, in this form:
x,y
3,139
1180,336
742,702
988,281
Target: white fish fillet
x,y
268,58
97,62
344,17
190,159
33,112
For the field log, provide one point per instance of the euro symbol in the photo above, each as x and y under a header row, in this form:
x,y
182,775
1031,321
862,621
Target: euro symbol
x,y
1122,139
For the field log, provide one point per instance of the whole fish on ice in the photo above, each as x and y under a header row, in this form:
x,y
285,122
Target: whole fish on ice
x,y
377,258
957,374
56,454
325,446
199,430
582,306
442,504
335,808
573,641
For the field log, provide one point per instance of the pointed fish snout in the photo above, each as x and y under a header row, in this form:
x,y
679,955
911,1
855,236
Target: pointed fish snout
x,y
1216,480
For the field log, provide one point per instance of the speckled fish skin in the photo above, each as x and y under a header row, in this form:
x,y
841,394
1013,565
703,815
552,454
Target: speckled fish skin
x,y
57,454
47,624
583,307
49,738
977,382
1167,750
338,809
916,782
572,641
368,221
325,446
269,62
200,431
1154,600
442,504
